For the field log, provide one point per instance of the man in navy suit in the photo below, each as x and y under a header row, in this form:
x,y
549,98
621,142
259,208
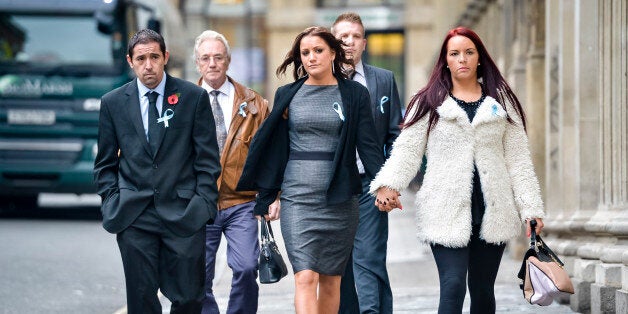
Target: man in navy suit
x,y
156,171
367,275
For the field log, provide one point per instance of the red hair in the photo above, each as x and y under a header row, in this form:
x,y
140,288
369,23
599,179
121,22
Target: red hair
x,y
430,97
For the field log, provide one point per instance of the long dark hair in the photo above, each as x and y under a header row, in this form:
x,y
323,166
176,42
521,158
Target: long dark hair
x,y
294,55
439,85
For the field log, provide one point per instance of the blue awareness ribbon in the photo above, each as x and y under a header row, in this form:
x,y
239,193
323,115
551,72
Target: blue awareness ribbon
x,y
167,115
494,109
241,109
338,110
382,102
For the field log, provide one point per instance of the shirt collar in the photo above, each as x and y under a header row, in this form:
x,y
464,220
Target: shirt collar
x,y
359,68
160,89
225,88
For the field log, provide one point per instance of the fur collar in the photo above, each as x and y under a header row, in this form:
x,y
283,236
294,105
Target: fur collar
x,y
488,111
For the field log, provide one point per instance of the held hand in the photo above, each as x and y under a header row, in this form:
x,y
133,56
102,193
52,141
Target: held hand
x,y
387,199
539,226
274,210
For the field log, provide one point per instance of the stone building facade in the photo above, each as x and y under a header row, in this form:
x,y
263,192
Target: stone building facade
x,y
568,62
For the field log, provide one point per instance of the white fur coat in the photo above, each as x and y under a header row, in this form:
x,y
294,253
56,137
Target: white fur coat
x,y
443,203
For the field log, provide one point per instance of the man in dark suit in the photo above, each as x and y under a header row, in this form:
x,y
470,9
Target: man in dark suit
x,y
156,171
367,275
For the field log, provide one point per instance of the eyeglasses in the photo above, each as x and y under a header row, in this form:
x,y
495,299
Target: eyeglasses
x,y
206,59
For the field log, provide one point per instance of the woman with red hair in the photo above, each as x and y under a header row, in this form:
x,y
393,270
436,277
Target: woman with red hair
x,y
479,185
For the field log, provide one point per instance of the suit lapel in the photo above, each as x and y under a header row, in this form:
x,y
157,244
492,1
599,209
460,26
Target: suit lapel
x,y
346,94
289,94
134,112
240,98
371,83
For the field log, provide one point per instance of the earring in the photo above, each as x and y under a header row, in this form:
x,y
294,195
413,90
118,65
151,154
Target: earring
x,y
478,63
333,70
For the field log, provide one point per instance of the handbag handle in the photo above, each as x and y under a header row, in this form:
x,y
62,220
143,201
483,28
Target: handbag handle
x,y
533,224
539,246
266,230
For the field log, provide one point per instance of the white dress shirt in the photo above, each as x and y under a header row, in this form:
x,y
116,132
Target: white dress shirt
x,y
359,74
142,89
360,78
225,99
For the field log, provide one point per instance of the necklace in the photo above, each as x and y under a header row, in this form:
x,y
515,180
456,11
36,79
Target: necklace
x,y
465,103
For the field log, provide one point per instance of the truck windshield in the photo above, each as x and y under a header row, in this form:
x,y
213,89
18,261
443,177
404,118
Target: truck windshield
x,y
33,43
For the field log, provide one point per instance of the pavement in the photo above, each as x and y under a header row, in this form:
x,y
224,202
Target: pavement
x,y
411,268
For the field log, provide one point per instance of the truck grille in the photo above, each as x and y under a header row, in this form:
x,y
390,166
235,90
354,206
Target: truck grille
x,y
46,119
40,152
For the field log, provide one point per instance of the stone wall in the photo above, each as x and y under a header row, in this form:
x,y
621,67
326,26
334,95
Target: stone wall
x,y
567,61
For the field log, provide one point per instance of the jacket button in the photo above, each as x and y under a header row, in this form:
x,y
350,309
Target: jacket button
x,y
156,191
154,166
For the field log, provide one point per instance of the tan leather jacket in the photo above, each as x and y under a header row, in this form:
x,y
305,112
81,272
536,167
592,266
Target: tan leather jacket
x,y
243,126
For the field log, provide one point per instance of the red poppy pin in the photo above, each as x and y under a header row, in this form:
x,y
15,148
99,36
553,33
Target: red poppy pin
x,y
173,99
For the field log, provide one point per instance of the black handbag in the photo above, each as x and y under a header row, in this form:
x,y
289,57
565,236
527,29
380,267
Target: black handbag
x,y
271,265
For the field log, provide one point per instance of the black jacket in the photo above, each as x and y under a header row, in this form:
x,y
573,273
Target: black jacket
x,y
269,151
385,105
180,178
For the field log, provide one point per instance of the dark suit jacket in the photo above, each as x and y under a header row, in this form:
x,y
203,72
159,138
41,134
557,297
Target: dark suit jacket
x,y
270,148
384,97
180,179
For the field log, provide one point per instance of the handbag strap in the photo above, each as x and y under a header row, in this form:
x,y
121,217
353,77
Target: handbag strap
x,y
539,245
533,224
542,247
270,229
266,230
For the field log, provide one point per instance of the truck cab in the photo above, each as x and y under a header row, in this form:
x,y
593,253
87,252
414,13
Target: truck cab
x,y
57,58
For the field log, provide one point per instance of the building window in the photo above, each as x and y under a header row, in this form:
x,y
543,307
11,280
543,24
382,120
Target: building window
x,y
385,49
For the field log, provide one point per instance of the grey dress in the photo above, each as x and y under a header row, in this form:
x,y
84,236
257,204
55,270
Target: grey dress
x,y
317,236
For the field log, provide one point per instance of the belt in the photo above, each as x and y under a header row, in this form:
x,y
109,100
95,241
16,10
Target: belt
x,y
311,155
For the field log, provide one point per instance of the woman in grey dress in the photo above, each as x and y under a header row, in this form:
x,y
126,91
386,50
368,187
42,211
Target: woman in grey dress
x,y
306,149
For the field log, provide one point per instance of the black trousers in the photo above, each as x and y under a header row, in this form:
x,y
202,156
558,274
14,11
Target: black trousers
x,y
154,258
365,286
480,262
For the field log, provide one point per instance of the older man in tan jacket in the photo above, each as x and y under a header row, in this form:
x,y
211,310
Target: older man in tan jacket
x,y
238,112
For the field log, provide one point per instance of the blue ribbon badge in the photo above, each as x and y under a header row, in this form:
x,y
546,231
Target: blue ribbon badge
x,y
167,115
494,109
382,102
241,109
338,110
